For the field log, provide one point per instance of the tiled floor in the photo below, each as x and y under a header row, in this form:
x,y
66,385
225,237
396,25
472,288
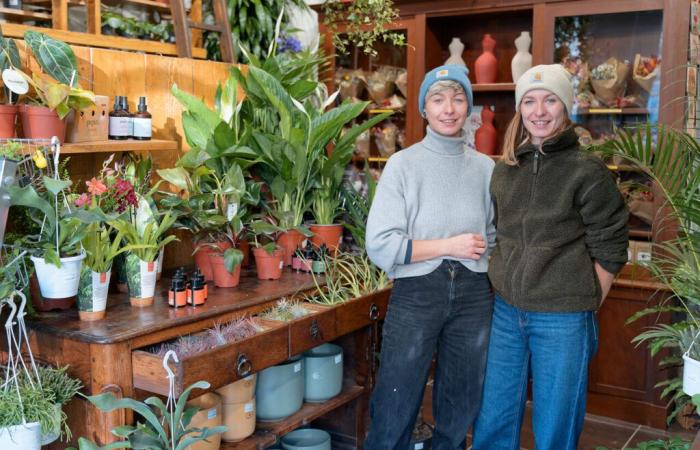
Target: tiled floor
x,y
598,431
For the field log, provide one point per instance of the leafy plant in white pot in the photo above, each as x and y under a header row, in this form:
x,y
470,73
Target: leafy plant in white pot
x,y
55,251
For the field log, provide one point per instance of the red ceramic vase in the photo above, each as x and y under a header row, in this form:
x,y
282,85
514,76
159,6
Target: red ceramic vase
x,y
486,138
486,66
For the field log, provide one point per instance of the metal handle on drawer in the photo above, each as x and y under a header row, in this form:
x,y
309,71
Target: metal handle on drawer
x,y
315,330
374,311
244,367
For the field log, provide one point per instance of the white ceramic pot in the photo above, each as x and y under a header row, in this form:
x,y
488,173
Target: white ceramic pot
x,y
21,437
691,375
58,282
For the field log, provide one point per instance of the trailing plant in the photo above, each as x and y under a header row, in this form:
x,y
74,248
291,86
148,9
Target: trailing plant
x,y
285,310
365,23
161,430
29,404
56,382
671,159
347,276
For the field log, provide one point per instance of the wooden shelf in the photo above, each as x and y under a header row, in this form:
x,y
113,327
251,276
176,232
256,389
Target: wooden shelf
x,y
641,234
148,3
266,433
610,111
118,146
493,87
24,14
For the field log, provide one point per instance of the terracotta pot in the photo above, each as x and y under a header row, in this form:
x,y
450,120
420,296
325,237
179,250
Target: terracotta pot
x,y
330,235
222,277
268,267
290,241
486,138
486,65
208,416
39,122
240,391
8,121
244,247
201,256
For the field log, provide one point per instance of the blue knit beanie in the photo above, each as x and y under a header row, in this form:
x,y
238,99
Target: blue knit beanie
x,y
452,72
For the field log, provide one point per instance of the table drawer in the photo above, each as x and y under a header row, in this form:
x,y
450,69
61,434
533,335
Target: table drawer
x,y
361,312
312,330
219,366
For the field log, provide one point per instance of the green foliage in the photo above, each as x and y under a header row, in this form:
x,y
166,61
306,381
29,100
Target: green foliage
x,y
671,159
365,23
11,150
56,382
146,234
658,444
59,97
130,27
35,405
285,311
347,276
161,430
357,206
54,57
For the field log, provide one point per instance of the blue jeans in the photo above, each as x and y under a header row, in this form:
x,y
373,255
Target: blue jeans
x,y
555,348
449,311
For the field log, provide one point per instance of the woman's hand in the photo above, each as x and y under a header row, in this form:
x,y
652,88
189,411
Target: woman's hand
x,y
462,246
606,279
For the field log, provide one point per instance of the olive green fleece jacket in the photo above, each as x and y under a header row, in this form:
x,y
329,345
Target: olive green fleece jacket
x,y
557,212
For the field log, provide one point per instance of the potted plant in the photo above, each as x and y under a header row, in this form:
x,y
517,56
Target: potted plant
x,y
269,256
56,251
145,232
56,93
109,197
671,159
162,429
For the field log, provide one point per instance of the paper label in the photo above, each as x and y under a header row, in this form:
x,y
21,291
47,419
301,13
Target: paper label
x,y
148,279
643,256
231,211
249,378
14,81
338,358
281,264
297,367
316,375
249,407
211,414
418,446
142,127
100,288
119,126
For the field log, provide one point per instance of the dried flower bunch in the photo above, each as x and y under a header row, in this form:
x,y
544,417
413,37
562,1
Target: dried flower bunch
x,y
221,334
285,310
604,71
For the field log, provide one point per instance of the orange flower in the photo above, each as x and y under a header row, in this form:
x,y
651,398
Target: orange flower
x,y
96,187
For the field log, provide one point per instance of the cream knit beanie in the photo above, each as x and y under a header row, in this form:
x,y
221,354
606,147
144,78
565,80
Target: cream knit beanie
x,y
551,77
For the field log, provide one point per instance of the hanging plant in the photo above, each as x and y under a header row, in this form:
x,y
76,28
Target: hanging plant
x,y
365,21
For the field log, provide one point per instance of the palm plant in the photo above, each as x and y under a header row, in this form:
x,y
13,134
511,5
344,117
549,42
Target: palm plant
x,y
671,159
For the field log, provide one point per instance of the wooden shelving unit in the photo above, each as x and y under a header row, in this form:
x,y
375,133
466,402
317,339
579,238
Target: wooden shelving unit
x,y
493,87
22,14
611,111
148,3
129,145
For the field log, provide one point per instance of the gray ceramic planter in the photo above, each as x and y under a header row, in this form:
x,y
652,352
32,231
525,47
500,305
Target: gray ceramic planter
x,y
307,439
323,373
280,390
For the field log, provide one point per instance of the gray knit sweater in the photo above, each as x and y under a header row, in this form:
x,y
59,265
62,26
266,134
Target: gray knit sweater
x,y
434,189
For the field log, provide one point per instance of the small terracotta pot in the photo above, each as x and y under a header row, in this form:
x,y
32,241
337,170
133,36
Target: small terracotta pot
x,y
240,391
8,121
240,420
201,256
268,267
222,277
327,234
244,247
39,122
290,241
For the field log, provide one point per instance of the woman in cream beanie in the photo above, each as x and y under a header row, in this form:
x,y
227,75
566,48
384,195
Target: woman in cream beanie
x,y
561,237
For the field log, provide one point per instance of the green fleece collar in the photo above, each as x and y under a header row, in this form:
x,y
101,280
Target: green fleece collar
x,y
566,140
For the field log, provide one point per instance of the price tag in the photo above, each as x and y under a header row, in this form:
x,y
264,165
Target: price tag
x,y
14,81
418,446
281,264
338,358
211,414
316,375
297,367
231,211
249,407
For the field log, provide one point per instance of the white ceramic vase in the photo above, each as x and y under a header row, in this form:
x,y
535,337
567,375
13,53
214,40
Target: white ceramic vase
x,y
456,48
522,59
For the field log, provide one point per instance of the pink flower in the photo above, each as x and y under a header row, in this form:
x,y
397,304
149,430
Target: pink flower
x,y
96,187
84,199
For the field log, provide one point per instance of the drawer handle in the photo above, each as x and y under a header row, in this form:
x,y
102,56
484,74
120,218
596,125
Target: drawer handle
x,y
244,367
315,331
373,312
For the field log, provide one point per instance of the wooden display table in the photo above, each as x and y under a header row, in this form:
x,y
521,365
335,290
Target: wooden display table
x,y
108,355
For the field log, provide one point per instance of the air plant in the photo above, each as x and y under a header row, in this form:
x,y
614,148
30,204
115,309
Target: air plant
x,y
285,310
220,334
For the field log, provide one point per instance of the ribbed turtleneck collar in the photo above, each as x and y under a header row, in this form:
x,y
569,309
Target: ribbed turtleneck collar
x,y
444,145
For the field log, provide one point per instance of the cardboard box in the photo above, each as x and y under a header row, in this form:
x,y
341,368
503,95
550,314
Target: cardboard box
x,y
91,124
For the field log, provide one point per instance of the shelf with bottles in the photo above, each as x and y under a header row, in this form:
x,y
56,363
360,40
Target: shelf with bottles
x,y
18,14
125,145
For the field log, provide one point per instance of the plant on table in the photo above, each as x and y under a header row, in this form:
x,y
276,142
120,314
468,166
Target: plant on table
x,y
285,310
161,429
347,276
672,160
11,150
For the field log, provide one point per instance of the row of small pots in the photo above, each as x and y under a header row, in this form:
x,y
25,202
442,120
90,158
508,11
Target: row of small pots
x,y
38,122
60,284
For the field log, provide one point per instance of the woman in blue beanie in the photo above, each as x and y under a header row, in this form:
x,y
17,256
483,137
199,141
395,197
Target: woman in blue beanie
x,y
430,228
562,235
